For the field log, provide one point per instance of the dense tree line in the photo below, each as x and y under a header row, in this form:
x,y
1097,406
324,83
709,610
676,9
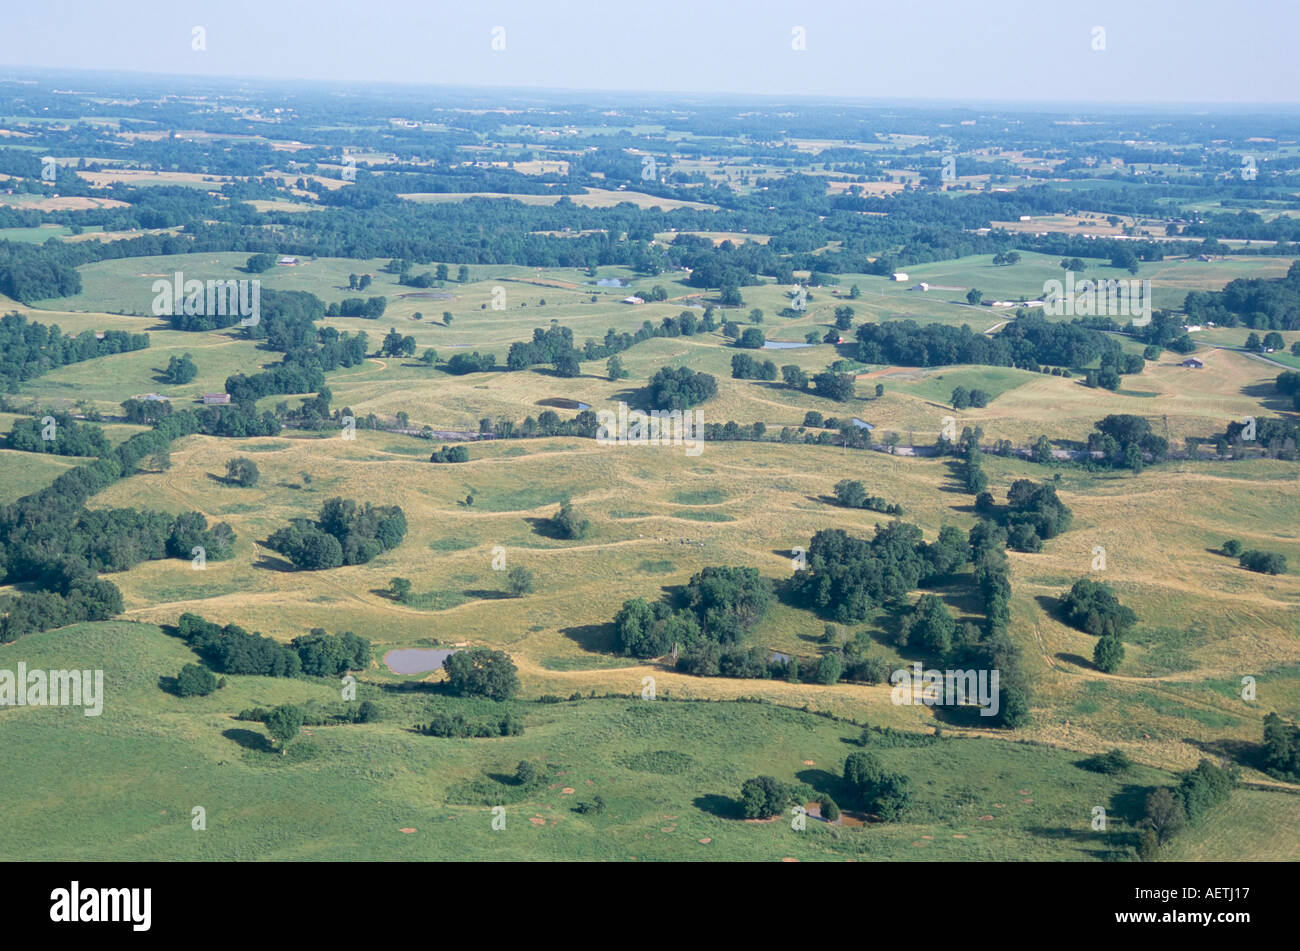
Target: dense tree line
x,y
852,494
230,649
70,438
1259,303
28,350
849,577
1170,810
717,609
1029,342
1281,749
456,725
342,534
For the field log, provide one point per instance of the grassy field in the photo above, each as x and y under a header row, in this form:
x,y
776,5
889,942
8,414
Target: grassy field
x,y
382,791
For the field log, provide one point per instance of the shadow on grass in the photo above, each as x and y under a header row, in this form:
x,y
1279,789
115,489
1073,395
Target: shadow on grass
x,y
724,807
272,563
826,783
546,528
1077,659
487,594
597,638
249,740
1241,752
1051,606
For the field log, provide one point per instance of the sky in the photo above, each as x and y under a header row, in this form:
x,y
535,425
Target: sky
x,y
1104,51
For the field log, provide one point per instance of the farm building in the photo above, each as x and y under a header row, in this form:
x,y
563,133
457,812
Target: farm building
x,y
633,300
1193,362
898,276
215,399
287,261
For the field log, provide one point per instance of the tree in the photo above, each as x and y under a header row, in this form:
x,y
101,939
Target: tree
x,y
960,398
751,339
1165,814
180,370
850,493
974,296
283,723
1108,654
399,589
462,274
1265,562
614,369
835,386
829,808
259,263
242,471
482,672
862,771
568,522
195,681
829,668
160,461
568,365
1148,846
1232,548
764,797
520,581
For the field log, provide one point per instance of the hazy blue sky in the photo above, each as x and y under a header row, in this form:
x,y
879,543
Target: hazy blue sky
x,y
1155,50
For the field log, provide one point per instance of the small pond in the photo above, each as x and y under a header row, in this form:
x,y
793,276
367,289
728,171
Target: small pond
x,y
417,660
785,345
559,402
